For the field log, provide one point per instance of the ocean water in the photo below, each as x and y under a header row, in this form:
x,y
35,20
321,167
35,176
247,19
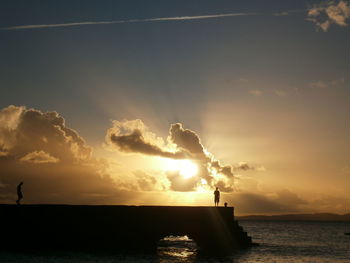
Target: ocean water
x,y
278,242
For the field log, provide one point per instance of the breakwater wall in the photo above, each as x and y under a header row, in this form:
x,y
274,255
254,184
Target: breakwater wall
x,y
118,228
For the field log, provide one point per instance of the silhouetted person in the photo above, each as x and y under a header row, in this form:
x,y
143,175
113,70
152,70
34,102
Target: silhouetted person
x,y
216,196
225,204
19,193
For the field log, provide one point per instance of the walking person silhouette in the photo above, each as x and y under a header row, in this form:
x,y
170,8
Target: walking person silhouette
x,y
216,196
19,193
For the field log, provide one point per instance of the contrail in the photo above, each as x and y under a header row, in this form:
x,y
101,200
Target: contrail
x,y
158,19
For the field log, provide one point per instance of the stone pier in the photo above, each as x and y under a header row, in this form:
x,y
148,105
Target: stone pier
x,y
118,228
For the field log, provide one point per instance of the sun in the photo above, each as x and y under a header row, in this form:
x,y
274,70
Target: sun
x,y
186,168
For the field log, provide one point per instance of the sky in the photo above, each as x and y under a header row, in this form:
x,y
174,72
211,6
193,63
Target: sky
x,y
160,102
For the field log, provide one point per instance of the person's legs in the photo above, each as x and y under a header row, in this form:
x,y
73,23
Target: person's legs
x,y
19,199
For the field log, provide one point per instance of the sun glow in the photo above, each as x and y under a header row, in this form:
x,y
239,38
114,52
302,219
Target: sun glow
x,y
186,168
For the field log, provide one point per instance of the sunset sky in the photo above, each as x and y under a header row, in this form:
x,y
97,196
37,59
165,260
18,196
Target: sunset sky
x,y
159,102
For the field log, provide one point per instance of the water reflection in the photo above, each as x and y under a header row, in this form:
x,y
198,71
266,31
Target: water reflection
x,y
177,249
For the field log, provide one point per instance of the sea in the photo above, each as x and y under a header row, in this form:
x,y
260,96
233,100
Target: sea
x,y
279,241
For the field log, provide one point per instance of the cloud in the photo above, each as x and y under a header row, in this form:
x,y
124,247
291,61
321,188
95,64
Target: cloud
x,y
52,159
186,140
181,184
39,157
158,19
244,166
319,85
58,166
27,130
325,84
283,201
328,13
280,93
133,136
256,92
145,181
331,203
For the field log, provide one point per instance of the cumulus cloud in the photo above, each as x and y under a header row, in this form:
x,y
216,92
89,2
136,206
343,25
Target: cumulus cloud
x,y
328,13
187,140
27,130
134,137
147,182
52,159
39,157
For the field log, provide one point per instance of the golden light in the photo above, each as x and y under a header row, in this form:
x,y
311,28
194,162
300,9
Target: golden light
x,y
186,168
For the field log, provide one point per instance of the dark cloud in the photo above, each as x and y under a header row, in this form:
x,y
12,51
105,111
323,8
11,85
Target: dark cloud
x,y
187,140
225,170
244,166
134,137
135,142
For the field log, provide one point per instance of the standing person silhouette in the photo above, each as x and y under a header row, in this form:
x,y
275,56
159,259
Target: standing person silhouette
x,y
216,196
19,193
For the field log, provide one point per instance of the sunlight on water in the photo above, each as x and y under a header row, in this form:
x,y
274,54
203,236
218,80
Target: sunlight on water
x,y
177,249
176,238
